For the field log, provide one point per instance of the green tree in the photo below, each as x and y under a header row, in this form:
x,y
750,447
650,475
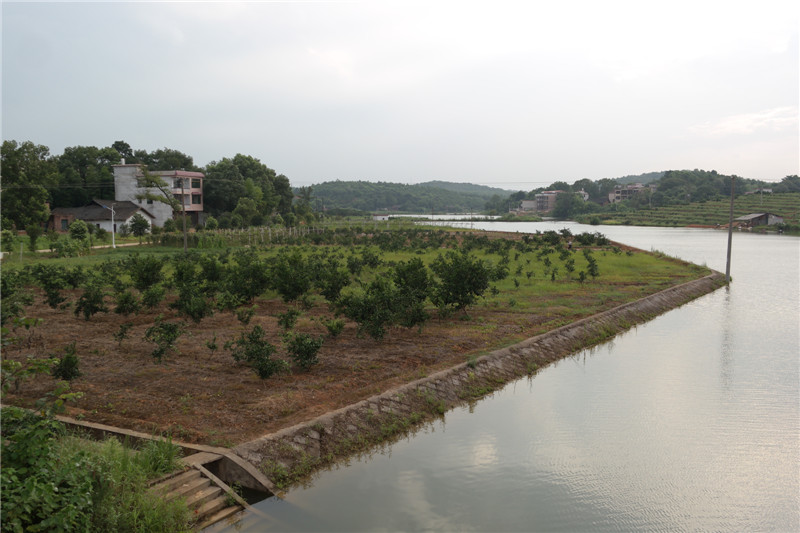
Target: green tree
x,y
211,223
26,173
247,209
463,279
34,231
139,226
84,172
78,231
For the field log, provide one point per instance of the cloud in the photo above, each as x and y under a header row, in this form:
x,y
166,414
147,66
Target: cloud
x,y
768,120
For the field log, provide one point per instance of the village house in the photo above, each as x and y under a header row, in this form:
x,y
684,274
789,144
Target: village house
x,y
185,186
546,201
98,214
626,192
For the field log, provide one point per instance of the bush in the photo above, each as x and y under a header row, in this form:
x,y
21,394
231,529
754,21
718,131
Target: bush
x,y
164,335
254,349
78,231
152,296
335,326
91,301
145,271
288,319
127,303
211,223
192,303
371,308
303,349
462,279
291,276
42,491
67,366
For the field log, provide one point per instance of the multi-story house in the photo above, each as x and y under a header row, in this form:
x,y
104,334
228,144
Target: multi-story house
x,y
186,187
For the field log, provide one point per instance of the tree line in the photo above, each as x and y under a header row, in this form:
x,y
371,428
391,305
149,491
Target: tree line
x,y
238,191
673,187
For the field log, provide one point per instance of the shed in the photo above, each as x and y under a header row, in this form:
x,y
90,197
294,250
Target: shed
x,y
760,219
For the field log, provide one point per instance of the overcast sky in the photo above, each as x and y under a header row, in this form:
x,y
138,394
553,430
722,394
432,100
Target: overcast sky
x,y
513,94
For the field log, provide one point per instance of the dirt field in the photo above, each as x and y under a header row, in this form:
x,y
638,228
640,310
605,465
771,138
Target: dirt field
x,y
198,395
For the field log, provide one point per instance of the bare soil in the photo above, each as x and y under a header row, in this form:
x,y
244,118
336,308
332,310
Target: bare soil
x,y
200,396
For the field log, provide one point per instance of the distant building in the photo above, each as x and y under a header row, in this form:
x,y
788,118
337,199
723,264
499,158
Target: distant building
x,y
546,201
528,205
759,219
186,187
98,214
626,192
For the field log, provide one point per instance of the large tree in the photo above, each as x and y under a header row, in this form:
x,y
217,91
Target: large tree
x,y
230,179
84,173
26,173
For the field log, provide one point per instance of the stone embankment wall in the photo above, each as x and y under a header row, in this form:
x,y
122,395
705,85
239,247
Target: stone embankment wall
x,y
293,453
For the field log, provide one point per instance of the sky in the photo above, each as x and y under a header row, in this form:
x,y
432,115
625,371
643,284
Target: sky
x,y
504,93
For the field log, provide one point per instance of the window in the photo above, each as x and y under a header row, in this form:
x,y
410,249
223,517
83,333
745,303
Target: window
x,y
64,224
197,199
196,183
149,202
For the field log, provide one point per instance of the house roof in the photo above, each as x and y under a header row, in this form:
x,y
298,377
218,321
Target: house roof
x,y
755,215
100,210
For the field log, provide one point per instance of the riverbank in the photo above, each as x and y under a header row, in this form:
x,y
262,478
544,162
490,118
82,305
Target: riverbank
x,y
292,454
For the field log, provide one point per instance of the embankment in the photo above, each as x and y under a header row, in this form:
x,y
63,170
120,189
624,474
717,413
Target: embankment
x,y
293,453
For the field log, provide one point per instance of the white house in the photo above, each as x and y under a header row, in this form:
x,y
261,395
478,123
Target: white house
x,y
98,214
185,186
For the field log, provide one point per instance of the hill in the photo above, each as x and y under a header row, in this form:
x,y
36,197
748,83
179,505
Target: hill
x,y
402,198
469,188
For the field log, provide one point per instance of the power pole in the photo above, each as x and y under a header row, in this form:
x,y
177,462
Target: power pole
x,y
183,215
730,235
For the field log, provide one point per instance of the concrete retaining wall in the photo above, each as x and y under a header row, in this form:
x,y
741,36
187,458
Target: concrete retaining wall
x,y
292,453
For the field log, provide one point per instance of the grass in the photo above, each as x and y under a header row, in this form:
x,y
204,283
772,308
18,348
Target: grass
x,y
100,486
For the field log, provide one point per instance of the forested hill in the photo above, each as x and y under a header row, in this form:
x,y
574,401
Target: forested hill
x,y
439,197
469,188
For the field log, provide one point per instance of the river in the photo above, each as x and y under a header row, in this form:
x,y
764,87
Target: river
x,y
688,422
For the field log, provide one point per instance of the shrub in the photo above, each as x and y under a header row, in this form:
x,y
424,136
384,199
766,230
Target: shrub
x,y
288,319
371,308
211,223
152,296
145,271
91,301
245,314
67,366
254,349
127,303
164,335
192,304
122,332
462,280
41,490
290,275
335,326
34,231
303,349
78,231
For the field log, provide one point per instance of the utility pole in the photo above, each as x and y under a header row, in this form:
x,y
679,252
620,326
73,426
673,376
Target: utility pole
x,y
730,235
183,214
113,227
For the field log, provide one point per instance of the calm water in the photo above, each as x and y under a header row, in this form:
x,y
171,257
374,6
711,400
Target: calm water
x,y
689,422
